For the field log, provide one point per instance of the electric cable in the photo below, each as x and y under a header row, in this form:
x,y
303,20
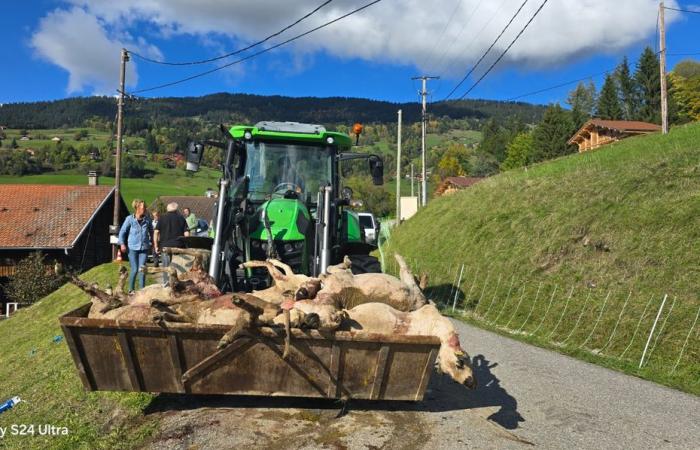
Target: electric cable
x,y
227,55
488,50
500,57
253,55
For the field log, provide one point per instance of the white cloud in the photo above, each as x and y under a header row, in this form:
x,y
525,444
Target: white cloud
x,y
393,31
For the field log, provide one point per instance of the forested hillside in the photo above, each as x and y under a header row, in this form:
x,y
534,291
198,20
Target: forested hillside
x,y
228,108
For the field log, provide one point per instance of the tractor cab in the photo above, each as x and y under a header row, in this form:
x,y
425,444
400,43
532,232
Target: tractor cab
x,y
280,197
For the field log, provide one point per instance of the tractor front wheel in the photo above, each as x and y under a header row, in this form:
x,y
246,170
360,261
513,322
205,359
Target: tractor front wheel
x,y
365,264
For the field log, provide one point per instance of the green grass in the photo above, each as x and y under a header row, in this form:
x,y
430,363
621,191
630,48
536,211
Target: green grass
x,y
466,137
165,182
42,373
67,136
621,220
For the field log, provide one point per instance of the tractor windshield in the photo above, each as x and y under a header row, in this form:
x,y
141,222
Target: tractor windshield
x,y
278,167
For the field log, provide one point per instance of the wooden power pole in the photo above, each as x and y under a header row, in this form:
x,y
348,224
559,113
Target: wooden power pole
x,y
662,67
118,162
398,172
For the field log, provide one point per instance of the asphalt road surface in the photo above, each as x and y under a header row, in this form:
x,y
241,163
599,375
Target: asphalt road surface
x,y
527,397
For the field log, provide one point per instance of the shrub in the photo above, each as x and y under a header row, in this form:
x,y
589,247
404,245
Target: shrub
x,y
32,280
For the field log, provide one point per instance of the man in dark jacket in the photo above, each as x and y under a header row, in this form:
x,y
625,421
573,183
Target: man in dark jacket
x,y
169,231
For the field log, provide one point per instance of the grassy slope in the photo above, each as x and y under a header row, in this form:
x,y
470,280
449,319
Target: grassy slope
x,y
42,373
165,182
623,218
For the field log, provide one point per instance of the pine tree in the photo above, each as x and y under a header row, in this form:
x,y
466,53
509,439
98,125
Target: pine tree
x,y
646,78
608,102
627,90
552,133
582,100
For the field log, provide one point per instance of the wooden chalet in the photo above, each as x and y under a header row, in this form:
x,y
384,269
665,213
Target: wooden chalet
x,y
69,224
598,132
453,184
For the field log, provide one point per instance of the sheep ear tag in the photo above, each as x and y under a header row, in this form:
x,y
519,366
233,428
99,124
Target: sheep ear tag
x,y
459,353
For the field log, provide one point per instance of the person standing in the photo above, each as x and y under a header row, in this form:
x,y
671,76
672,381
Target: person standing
x,y
191,220
155,214
169,232
135,237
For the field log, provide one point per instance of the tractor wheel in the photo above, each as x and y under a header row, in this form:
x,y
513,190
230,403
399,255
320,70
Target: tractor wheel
x,y
365,264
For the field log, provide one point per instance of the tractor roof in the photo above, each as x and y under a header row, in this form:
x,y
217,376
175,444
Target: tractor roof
x,y
291,131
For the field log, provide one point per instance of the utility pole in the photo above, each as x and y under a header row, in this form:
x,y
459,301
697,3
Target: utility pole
x,y
412,194
424,121
662,61
398,173
118,163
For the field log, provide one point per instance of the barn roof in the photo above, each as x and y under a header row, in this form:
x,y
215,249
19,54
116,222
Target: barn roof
x,y
47,216
201,206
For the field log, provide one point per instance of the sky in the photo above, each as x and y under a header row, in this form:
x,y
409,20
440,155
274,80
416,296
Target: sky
x,y
52,49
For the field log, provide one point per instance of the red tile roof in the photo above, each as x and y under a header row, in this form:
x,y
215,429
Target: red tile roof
x,y
47,216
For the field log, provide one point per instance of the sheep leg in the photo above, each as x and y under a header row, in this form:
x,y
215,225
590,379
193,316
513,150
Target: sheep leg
x,y
405,273
280,265
111,301
121,284
274,273
165,316
241,324
288,333
171,271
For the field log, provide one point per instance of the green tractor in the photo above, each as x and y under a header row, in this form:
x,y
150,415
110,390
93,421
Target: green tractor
x,y
280,197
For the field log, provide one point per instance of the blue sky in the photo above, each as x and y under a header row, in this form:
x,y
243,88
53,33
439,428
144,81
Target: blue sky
x,y
58,48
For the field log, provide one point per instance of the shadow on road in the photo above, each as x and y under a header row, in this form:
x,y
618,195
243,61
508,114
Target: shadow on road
x,y
442,395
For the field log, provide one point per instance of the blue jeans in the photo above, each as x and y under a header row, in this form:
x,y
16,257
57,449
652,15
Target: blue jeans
x,y
137,259
165,262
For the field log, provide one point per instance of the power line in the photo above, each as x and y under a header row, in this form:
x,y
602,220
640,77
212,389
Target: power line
x,y
444,30
682,10
487,51
566,83
500,57
459,35
227,55
253,55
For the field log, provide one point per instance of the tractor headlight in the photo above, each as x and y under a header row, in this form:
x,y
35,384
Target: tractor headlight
x,y
248,135
264,246
299,245
255,244
330,140
288,248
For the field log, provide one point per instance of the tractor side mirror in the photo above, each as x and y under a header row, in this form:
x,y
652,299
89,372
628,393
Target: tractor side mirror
x,y
376,168
195,151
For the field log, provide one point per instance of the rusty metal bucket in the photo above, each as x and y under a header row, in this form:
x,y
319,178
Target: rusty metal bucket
x,y
183,358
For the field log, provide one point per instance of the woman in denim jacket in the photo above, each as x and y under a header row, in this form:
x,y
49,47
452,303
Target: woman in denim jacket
x,y
138,232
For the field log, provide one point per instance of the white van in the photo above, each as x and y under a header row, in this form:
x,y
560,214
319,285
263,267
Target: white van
x,y
370,226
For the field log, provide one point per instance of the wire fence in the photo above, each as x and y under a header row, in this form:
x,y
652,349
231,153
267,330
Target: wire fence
x,y
621,324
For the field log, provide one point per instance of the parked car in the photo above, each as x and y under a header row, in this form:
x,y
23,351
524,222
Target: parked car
x,y
370,226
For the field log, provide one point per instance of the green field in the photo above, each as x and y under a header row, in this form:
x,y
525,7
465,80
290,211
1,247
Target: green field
x,y
597,229
466,137
164,182
36,366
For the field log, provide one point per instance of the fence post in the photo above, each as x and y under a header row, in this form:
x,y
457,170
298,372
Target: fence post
x,y
651,333
459,281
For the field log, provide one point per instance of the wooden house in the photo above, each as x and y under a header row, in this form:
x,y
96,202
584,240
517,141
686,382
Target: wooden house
x,y
598,132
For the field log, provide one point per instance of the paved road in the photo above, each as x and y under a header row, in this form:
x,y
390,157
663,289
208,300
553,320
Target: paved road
x,y
527,397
